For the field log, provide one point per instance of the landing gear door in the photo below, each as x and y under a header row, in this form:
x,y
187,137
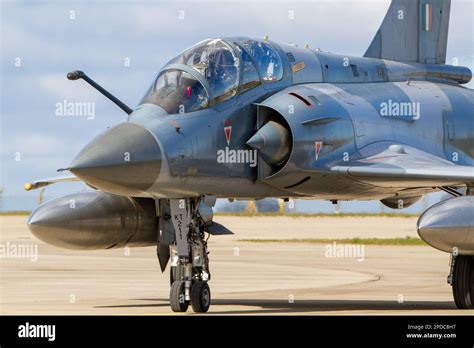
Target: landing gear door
x,y
181,218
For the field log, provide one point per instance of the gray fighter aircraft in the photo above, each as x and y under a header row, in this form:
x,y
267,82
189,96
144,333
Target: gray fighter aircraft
x,y
243,118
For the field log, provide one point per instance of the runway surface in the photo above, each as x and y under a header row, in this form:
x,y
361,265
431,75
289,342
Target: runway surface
x,y
247,278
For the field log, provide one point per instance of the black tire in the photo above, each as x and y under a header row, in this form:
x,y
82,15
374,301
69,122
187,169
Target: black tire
x,y
200,297
463,282
177,300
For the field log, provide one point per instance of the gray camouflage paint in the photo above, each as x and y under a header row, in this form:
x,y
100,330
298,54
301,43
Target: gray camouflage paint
x,y
342,139
189,142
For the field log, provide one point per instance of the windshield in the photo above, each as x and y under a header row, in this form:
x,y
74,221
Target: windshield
x,y
176,91
215,79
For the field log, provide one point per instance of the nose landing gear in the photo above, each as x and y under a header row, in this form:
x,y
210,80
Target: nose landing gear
x,y
189,272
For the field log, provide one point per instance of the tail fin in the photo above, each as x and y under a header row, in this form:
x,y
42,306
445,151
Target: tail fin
x,y
414,31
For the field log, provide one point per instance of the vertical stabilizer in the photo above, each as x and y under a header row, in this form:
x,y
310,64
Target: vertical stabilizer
x,y
413,31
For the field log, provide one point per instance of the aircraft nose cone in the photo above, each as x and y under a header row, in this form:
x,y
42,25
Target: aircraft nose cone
x,y
124,160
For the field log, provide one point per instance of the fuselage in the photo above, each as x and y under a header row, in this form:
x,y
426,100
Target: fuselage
x,y
347,105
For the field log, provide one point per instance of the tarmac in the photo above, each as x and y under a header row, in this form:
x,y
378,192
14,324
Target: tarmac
x,y
247,278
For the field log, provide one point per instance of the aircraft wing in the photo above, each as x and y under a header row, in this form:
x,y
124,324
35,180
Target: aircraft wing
x,y
405,167
45,182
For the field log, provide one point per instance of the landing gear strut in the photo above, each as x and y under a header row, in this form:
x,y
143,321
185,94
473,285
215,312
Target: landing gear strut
x,y
189,272
461,278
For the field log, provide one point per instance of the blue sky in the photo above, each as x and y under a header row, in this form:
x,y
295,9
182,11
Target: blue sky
x,y
50,38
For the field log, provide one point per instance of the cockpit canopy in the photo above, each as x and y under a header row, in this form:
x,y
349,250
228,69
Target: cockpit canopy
x,y
213,71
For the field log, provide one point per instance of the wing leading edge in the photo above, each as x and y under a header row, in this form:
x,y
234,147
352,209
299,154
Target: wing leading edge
x,y
405,167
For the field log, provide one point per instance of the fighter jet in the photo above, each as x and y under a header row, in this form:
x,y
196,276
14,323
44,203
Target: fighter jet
x,y
245,118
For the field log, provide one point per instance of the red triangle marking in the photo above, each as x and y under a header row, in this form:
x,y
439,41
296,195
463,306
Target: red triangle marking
x,y
228,131
318,145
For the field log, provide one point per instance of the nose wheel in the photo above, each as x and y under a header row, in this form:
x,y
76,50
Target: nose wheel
x,y
462,280
189,272
177,296
200,297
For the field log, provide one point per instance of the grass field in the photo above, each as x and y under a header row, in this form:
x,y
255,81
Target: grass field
x,y
361,241
250,214
15,213
312,215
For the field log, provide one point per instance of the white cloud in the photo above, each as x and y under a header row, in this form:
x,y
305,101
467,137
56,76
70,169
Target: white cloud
x,y
31,143
58,87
